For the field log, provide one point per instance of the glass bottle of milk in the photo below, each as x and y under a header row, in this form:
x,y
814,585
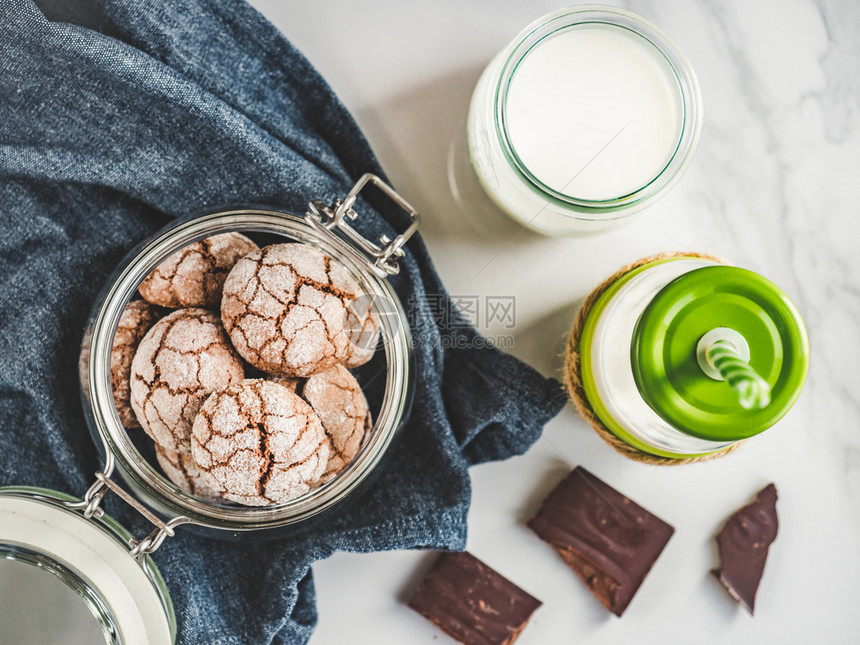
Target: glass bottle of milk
x,y
588,116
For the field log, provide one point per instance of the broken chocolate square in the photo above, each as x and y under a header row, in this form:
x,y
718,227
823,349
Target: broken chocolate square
x,y
744,543
471,602
608,540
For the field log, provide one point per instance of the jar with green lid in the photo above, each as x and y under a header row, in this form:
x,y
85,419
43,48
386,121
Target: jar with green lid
x,y
683,357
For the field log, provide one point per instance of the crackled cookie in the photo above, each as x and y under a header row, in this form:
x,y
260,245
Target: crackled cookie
x,y
338,401
136,319
285,308
257,443
181,360
194,276
182,470
363,331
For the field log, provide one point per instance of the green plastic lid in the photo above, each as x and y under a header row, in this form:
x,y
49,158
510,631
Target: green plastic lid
x,y
664,351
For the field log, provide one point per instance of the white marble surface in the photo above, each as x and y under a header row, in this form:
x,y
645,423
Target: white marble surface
x,y
774,187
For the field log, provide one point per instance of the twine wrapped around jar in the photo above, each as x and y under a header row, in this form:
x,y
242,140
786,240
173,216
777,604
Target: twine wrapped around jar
x,y
573,372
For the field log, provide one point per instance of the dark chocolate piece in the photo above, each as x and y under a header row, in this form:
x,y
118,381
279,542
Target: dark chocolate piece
x,y
608,540
471,602
744,543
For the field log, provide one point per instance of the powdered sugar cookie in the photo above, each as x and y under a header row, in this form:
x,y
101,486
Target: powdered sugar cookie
x,y
257,443
137,317
181,360
363,330
339,403
285,308
194,276
182,470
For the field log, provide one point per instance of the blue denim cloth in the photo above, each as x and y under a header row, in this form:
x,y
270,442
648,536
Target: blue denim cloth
x,y
118,115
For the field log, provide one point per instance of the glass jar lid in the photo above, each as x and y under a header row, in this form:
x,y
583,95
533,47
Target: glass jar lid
x,y
742,308
123,599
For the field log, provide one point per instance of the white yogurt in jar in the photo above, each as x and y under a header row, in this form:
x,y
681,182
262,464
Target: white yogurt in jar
x,y
588,116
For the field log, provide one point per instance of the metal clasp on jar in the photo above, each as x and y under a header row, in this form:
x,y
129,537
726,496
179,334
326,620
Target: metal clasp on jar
x,y
90,506
381,259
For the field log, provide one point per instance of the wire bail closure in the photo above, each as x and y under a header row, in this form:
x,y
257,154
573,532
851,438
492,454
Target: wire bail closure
x,y
380,258
90,506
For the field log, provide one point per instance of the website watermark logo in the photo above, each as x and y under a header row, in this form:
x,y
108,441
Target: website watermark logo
x,y
490,316
460,312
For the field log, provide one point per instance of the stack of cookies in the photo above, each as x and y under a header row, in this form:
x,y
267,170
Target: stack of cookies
x,y
244,386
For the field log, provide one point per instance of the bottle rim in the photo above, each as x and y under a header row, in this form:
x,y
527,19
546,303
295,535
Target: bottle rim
x,y
663,46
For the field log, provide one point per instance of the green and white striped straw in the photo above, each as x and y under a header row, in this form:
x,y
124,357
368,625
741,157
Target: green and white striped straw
x,y
752,390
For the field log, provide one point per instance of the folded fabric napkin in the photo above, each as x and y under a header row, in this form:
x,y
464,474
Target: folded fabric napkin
x,y
118,115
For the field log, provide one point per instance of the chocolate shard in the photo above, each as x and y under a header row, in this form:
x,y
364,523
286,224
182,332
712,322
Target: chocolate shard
x,y
608,540
744,543
471,602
